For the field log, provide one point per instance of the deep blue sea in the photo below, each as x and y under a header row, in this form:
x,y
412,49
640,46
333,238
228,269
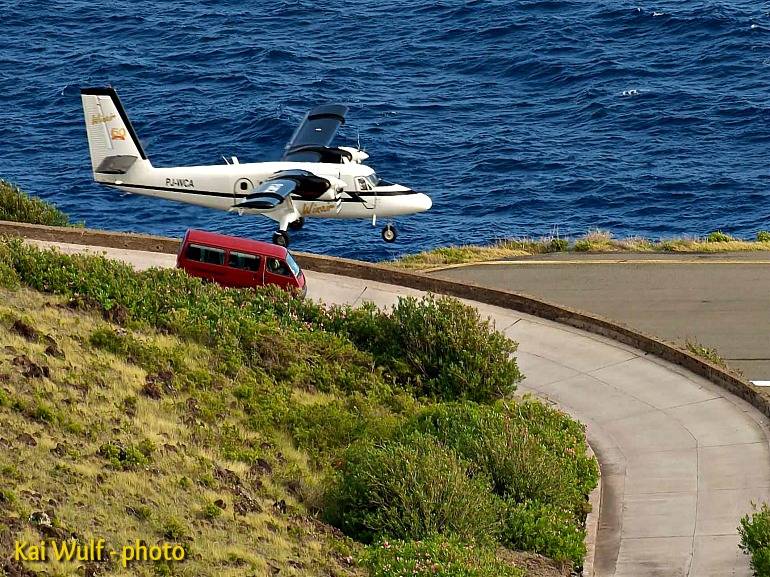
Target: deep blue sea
x,y
516,116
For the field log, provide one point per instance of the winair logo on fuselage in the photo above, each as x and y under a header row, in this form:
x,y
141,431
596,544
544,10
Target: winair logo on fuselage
x,y
180,183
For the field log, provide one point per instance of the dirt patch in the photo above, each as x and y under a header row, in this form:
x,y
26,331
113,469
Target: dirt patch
x,y
24,330
30,369
535,565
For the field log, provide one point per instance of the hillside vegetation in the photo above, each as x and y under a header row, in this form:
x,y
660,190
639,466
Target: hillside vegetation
x,y
271,436
18,206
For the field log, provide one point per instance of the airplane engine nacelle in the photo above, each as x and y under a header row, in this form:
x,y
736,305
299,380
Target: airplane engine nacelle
x,y
313,187
333,190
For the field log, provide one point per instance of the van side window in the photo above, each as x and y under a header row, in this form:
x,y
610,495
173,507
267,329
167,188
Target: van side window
x,y
244,261
205,254
276,266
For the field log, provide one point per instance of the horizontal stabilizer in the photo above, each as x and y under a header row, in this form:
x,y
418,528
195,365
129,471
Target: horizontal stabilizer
x,y
118,164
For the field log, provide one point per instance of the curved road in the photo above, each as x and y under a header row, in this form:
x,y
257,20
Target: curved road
x,y
681,458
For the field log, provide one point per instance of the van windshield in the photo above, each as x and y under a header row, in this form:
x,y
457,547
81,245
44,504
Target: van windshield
x,y
292,264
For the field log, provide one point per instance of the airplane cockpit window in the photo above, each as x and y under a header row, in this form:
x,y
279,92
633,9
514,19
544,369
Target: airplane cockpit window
x,y
363,184
374,180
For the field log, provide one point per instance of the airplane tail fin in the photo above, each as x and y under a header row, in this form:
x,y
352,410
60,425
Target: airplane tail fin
x,y
112,141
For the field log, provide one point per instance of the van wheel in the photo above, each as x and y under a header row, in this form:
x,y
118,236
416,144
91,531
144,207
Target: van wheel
x,y
389,233
281,238
297,224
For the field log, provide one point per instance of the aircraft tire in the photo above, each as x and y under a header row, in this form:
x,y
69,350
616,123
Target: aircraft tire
x,y
389,233
281,238
297,224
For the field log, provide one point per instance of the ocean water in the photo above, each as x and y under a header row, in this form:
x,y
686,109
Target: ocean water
x,y
517,116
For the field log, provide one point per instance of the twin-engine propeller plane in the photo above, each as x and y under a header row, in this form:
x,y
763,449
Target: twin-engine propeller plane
x,y
312,179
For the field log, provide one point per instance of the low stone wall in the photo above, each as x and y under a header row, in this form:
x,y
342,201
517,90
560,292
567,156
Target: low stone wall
x,y
368,271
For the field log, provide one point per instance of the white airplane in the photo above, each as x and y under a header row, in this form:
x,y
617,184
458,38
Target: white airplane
x,y
312,179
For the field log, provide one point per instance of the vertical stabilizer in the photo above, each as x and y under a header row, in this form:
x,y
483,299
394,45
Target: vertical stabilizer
x,y
112,141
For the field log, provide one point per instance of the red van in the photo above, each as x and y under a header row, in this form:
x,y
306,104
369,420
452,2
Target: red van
x,y
238,262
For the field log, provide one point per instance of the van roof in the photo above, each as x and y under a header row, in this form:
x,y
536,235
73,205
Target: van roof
x,y
235,243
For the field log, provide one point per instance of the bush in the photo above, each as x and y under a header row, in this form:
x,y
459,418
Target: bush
x,y
754,531
719,236
437,345
558,245
582,245
409,490
530,452
763,236
545,529
128,457
324,429
436,556
18,206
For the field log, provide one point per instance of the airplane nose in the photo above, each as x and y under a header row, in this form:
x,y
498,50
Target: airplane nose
x,y
424,201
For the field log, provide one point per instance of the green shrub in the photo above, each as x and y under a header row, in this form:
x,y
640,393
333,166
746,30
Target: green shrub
x,y
439,346
409,490
528,450
18,206
323,429
436,556
719,236
763,236
8,277
210,510
545,529
127,457
174,529
582,245
558,245
754,531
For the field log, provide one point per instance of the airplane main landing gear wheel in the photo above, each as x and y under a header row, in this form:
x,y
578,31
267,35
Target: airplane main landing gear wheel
x,y
297,224
389,233
281,238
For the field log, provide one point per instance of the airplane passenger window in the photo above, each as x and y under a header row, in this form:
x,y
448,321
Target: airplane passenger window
x,y
276,266
244,261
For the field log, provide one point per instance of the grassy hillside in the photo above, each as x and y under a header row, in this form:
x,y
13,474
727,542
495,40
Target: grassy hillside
x,y
595,241
18,206
267,435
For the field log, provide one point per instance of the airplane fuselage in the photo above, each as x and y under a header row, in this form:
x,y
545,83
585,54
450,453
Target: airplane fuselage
x,y
221,186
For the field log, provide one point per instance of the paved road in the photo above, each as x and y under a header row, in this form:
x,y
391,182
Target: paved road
x,y
722,301
681,459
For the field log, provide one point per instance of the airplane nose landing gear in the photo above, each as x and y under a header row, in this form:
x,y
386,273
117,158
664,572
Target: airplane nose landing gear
x,y
389,233
281,238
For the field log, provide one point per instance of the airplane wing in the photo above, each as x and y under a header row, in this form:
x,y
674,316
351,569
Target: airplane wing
x,y
269,194
279,188
316,132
